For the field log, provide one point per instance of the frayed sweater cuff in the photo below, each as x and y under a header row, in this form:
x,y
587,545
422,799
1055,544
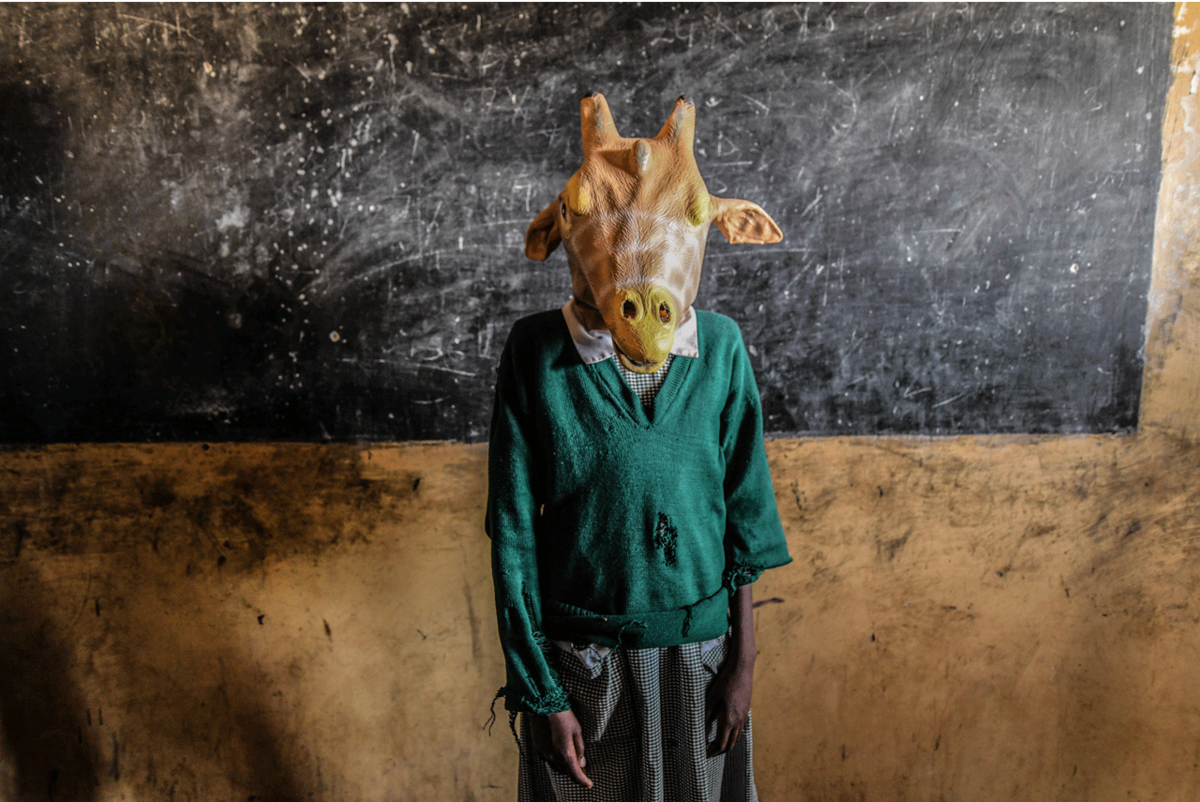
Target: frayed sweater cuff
x,y
556,701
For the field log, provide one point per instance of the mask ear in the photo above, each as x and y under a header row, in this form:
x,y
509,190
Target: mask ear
x,y
744,222
542,237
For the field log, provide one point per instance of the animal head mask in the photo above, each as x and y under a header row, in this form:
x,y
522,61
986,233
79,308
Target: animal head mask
x,y
633,221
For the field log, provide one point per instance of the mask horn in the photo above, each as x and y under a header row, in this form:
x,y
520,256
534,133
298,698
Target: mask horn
x,y
680,128
599,130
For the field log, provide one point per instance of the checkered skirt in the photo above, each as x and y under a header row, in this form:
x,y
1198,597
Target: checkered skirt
x,y
642,715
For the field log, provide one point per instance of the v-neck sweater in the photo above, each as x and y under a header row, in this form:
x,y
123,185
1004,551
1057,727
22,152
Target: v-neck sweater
x,y
617,525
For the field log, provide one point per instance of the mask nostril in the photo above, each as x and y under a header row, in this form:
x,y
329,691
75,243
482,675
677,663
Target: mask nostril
x,y
629,309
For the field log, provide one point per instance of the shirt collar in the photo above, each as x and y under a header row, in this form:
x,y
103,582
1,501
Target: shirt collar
x,y
596,345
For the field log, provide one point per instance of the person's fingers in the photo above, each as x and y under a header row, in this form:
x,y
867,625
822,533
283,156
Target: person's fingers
x,y
714,748
565,747
727,737
718,741
578,738
723,742
573,767
734,735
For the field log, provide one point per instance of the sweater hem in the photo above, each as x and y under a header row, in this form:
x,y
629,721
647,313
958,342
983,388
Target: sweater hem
x,y
693,623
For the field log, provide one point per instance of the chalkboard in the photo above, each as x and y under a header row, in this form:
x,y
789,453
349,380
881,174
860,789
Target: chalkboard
x,y
303,222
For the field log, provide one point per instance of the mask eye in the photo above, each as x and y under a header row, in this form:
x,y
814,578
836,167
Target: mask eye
x,y
664,313
562,208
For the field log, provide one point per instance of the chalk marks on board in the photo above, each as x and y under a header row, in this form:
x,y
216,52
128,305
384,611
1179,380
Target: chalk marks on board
x,y
306,222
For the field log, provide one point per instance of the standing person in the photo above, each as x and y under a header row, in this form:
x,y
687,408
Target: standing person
x,y
630,504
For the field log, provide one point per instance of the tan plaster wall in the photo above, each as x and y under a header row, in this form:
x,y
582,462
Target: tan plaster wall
x,y
966,619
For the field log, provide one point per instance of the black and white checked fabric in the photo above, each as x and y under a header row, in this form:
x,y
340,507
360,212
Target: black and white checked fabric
x,y
642,715
645,385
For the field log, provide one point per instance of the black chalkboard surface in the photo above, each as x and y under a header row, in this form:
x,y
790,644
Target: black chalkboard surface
x,y
306,222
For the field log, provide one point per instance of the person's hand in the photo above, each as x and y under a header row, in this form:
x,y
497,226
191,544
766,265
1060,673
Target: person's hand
x,y
558,738
727,702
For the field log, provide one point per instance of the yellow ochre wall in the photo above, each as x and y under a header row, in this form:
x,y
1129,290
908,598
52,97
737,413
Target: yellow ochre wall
x,y
973,618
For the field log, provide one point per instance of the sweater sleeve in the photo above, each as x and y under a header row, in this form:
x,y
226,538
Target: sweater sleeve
x,y
531,684
754,538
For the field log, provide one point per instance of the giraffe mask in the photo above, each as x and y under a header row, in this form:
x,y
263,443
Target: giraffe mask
x,y
633,221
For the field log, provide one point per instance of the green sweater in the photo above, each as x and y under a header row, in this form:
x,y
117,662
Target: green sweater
x,y
610,526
